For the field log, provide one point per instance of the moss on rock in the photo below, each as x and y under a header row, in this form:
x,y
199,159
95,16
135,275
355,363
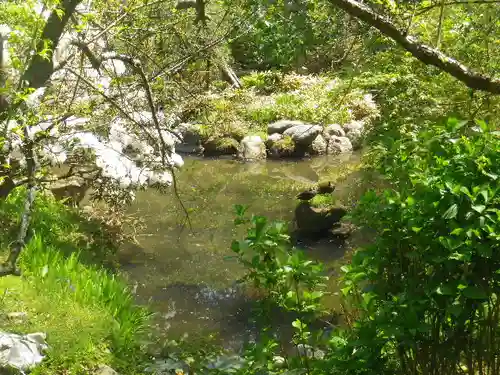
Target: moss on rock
x,y
283,147
221,146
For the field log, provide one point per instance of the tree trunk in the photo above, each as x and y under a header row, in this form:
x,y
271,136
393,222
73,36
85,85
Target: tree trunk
x,y
230,75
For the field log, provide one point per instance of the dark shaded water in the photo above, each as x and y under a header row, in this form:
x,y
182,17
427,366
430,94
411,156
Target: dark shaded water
x,y
179,266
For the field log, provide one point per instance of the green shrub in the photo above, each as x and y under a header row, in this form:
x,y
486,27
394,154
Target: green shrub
x,y
427,288
313,99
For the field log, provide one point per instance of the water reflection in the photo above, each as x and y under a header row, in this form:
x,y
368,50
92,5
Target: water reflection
x,y
179,267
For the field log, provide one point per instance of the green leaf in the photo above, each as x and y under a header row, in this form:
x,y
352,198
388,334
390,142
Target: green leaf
x,y
45,271
446,290
298,324
457,231
410,201
451,212
473,292
484,193
479,208
466,191
345,268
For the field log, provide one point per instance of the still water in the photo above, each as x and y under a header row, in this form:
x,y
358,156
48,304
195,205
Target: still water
x,y
178,266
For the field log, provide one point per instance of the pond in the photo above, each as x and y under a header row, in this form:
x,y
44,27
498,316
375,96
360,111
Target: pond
x,y
179,266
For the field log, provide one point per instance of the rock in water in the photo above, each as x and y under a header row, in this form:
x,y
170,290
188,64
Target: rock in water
x,y
252,147
334,129
282,125
307,195
339,145
221,146
191,138
21,351
356,138
314,221
273,138
318,146
303,135
325,187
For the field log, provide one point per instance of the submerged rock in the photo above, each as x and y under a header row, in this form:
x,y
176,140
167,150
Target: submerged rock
x,y
339,145
312,220
21,352
282,125
342,230
252,147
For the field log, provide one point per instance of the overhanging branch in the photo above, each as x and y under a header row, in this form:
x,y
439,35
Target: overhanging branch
x,y
424,53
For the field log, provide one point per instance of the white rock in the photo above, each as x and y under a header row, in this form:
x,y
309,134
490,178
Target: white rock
x,y
319,145
356,137
22,351
339,145
354,125
252,148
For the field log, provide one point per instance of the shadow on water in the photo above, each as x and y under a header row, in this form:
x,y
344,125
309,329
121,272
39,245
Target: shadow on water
x,y
181,272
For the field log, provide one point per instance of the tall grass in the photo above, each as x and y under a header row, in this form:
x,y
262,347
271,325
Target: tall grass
x,y
53,261
56,274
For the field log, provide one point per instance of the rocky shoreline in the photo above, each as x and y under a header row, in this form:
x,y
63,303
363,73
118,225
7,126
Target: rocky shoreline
x,y
284,138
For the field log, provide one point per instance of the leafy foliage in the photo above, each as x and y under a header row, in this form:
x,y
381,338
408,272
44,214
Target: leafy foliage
x,y
58,279
428,286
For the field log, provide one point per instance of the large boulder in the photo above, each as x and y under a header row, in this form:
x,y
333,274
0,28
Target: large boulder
x,y
221,146
303,135
252,147
339,145
315,221
318,146
333,129
282,125
191,138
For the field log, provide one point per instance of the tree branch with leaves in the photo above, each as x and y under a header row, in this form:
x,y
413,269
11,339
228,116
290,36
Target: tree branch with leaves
x,y
422,52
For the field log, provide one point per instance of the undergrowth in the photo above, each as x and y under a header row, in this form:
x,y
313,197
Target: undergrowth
x,y
87,312
269,96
